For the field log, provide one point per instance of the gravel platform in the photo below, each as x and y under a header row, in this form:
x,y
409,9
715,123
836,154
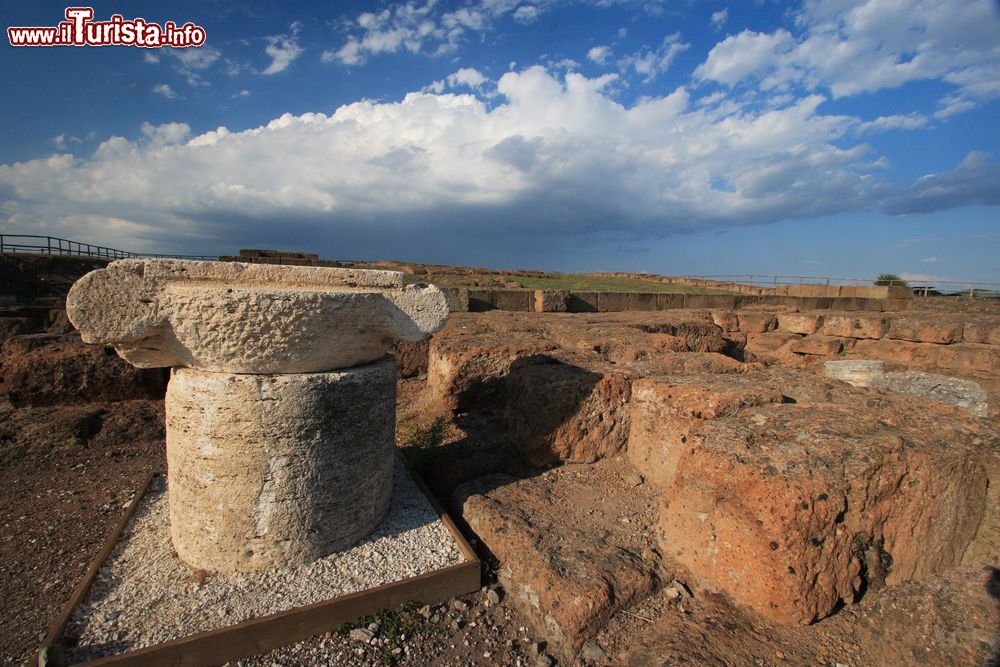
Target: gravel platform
x,y
145,595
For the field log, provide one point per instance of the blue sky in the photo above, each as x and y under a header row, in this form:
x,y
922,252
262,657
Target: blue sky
x,y
823,137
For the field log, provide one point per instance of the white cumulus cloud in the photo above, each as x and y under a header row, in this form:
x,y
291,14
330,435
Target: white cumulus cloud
x,y
283,50
165,90
549,156
851,47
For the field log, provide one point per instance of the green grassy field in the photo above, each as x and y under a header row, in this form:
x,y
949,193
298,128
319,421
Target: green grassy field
x,y
583,282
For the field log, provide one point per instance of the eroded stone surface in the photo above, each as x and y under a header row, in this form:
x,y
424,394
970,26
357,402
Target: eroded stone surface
x,y
855,372
791,508
250,318
274,469
561,412
573,546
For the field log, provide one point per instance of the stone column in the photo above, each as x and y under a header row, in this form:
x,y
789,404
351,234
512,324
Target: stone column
x,y
281,406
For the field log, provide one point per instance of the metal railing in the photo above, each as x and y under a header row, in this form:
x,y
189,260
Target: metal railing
x,y
937,286
53,245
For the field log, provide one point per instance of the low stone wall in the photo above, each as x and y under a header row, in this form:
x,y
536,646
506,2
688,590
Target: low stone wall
x,y
910,340
552,301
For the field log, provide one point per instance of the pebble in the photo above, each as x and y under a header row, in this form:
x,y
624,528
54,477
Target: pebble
x,y
543,661
460,605
361,635
492,596
681,588
592,652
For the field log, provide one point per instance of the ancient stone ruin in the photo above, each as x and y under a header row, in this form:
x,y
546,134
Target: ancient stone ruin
x,y
280,410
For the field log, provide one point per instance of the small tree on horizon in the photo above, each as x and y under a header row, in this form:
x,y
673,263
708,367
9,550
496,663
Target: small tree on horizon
x,y
890,280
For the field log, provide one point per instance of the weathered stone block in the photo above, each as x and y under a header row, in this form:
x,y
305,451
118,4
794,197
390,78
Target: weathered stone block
x,y
770,342
480,300
551,301
964,394
667,301
457,298
847,326
582,302
642,301
985,332
249,318
920,330
727,320
766,505
757,321
961,357
465,371
270,470
855,372
799,323
663,410
721,301
566,576
612,302
559,412
517,300
825,346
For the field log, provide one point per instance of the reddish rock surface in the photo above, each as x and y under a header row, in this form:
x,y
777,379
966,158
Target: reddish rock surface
x,y
793,509
665,409
757,321
42,369
573,545
411,357
923,330
824,346
968,358
468,362
799,323
561,412
851,326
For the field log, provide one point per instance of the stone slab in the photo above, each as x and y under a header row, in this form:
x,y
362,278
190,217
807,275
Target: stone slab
x,y
250,318
766,506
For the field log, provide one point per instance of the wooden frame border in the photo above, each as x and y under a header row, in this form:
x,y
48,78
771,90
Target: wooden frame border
x,y
258,635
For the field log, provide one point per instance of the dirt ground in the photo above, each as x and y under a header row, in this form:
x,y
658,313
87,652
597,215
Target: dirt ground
x,y
68,471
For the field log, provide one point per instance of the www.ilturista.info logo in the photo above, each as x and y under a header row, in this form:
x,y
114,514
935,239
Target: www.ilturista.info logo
x,y
79,29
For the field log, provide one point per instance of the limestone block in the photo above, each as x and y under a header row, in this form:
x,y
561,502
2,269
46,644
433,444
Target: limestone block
x,y
664,409
767,506
817,345
964,394
560,412
755,322
551,301
855,372
642,301
864,326
457,299
582,302
799,323
612,302
250,318
268,470
920,330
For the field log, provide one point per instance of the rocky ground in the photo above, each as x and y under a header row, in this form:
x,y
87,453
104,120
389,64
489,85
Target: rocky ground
x,y
568,448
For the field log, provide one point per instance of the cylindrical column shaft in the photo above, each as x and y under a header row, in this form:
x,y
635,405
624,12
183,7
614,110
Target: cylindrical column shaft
x,y
266,470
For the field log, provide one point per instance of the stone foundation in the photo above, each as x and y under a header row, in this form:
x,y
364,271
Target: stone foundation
x,y
277,469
